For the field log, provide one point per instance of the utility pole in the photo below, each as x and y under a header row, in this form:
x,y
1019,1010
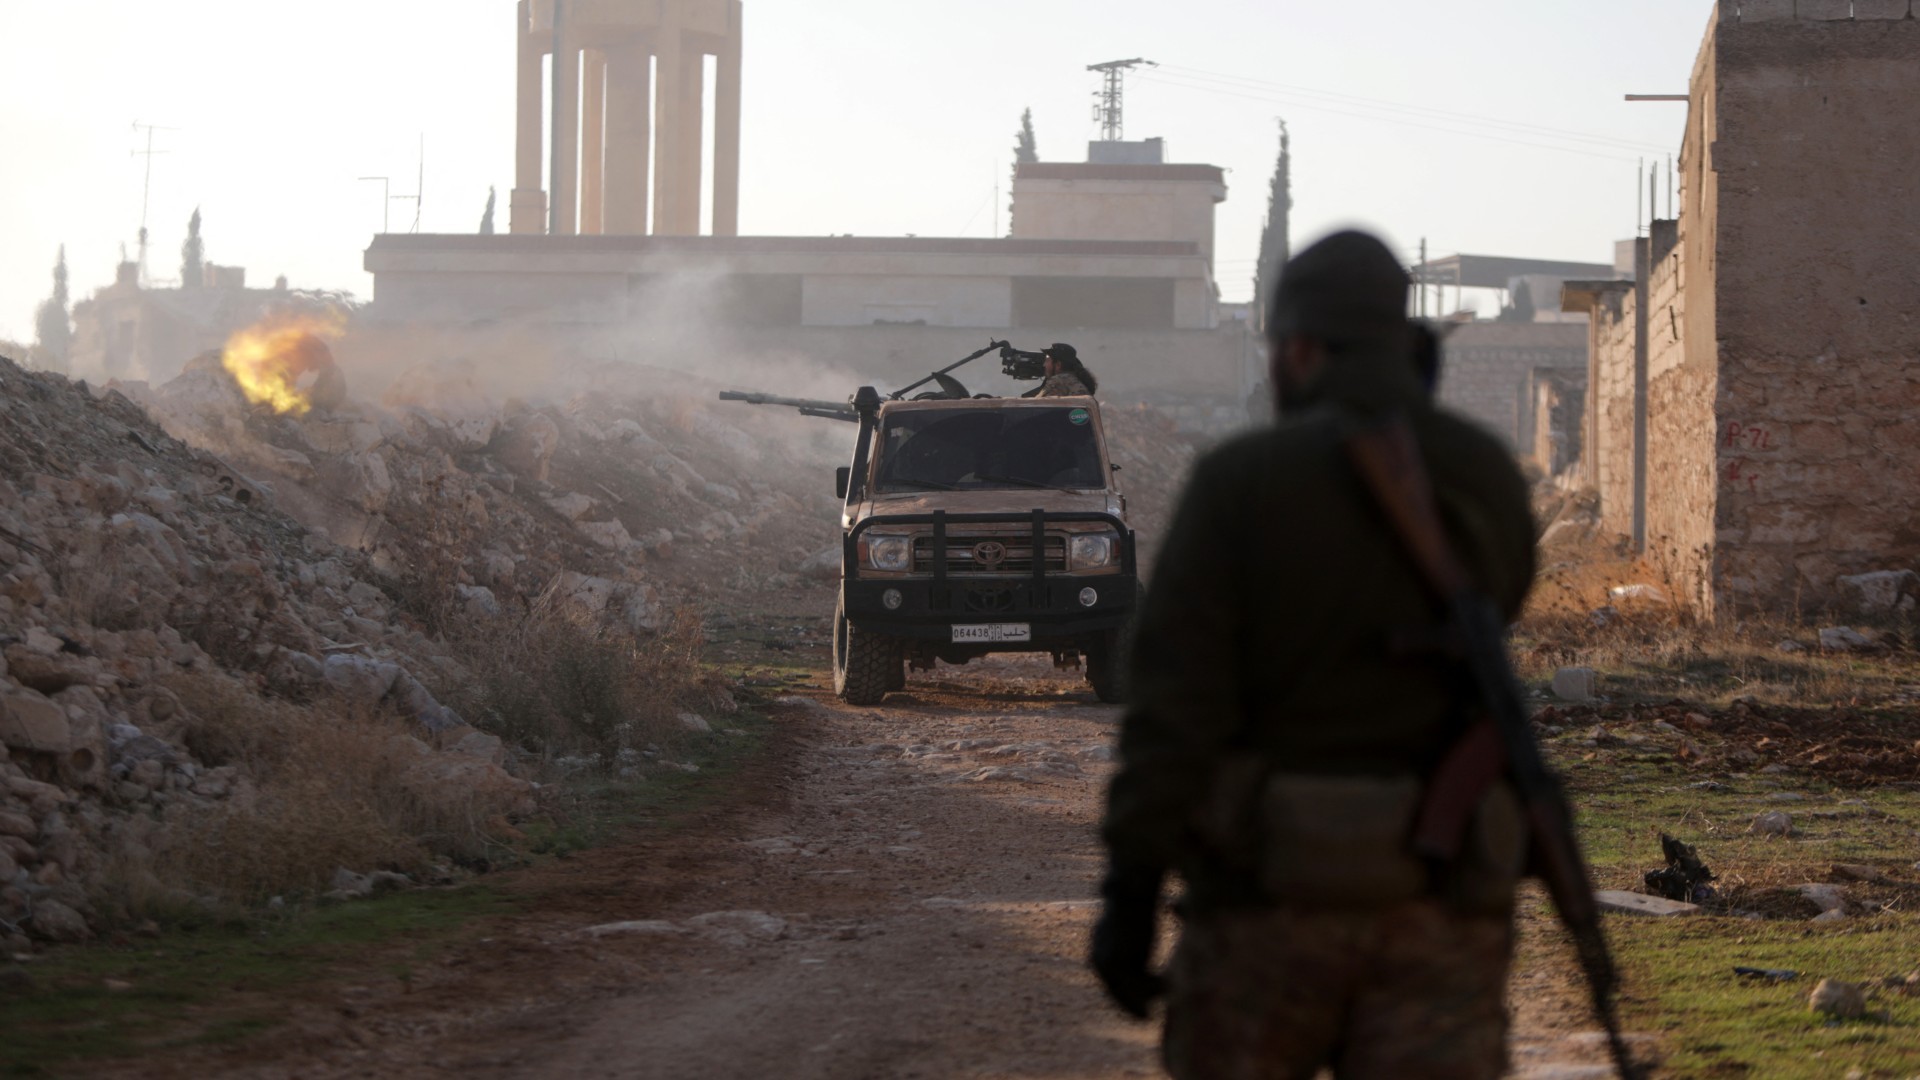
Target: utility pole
x,y
1422,277
146,187
1107,112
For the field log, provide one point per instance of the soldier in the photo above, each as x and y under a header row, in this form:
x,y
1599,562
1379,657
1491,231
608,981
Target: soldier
x,y
1066,375
1291,694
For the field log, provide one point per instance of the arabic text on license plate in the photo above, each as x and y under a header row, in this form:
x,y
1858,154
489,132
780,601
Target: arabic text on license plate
x,y
993,632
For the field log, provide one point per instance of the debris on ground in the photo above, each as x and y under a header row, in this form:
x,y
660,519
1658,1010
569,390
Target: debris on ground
x,y
1848,746
1769,974
1622,902
1684,878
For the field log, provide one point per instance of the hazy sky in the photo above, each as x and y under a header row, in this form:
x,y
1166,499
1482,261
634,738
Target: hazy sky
x,y
1494,126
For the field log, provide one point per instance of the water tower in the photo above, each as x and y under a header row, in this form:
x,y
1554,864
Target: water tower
x,y
627,77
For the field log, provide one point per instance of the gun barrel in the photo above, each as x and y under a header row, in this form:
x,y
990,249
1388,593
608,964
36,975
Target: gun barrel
x,y
753,398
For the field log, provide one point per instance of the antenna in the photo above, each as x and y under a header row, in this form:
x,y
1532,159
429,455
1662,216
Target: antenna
x,y
1108,112
146,187
420,185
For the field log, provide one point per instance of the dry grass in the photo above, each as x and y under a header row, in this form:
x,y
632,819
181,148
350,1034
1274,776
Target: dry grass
x,y
559,681
1654,653
331,787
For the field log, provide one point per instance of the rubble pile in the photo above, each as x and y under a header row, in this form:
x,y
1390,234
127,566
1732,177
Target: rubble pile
x,y
1154,456
630,490
140,575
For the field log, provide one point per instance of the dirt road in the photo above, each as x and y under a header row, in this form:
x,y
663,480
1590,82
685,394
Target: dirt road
x,y
907,895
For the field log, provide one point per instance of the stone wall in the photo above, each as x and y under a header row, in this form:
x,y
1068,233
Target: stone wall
x,y
1816,255
1610,449
1680,460
1487,373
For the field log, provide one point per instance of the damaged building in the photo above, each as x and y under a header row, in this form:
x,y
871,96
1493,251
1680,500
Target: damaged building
x,y
1750,418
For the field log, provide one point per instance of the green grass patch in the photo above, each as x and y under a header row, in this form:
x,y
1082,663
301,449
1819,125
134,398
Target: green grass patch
x,y
1678,972
102,1001
1681,985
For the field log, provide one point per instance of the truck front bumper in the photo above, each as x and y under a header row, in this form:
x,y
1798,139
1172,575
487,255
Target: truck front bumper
x,y
1051,603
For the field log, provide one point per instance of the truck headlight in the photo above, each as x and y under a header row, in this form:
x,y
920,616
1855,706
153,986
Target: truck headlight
x,y
1090,551
890,553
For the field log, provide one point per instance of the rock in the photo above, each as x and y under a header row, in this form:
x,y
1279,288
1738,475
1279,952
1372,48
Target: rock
x,y
43,798
1828,898
14,823
1844,639
480,745
340,435
1772,823
611,535
349,885
1880,591
360,678
477,601
591,594
1790,646
636,927
526,443
30,721
1858,872
1633,903
695,722
573,506
1841,1000
640,609
822,565
385,881
56,921
739,927
1646,594
1574,684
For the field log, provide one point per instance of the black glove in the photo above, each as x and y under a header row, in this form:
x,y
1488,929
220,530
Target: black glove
x,y
1123,938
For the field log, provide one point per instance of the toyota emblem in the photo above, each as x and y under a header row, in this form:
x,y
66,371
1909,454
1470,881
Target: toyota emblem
x,y
989,553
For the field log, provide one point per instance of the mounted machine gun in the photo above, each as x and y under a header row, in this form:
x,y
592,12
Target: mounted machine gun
x,y
1014,364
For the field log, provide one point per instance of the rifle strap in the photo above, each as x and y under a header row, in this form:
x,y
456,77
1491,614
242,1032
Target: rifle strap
x,y
1387,457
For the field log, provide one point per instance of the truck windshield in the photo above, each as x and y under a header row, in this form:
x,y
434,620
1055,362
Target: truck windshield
x,y
983,449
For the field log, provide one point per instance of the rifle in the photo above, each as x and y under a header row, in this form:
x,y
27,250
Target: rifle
x,y
1388,459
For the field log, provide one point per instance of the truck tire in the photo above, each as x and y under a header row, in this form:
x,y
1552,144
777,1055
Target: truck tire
x,y
861,661
1108,656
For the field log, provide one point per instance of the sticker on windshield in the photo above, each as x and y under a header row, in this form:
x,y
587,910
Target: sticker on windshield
x,y
1078,416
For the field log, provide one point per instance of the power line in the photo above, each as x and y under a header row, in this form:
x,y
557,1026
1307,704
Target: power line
x,y
1517,126
1598,145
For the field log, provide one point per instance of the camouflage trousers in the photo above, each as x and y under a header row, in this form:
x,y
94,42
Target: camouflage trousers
x,y
1415,991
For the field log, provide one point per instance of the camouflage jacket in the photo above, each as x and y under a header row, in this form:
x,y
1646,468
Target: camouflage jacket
x,y
1065,384
1279,611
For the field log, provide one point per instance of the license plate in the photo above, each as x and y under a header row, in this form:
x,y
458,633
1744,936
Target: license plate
x,y
993,632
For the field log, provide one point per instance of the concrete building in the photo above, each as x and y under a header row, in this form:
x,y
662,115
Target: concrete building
x,y
625,113
1754,388
127,331
1114,255
1495,372
1500,371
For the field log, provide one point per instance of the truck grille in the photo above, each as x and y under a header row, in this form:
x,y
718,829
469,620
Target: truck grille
x,y
976,554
